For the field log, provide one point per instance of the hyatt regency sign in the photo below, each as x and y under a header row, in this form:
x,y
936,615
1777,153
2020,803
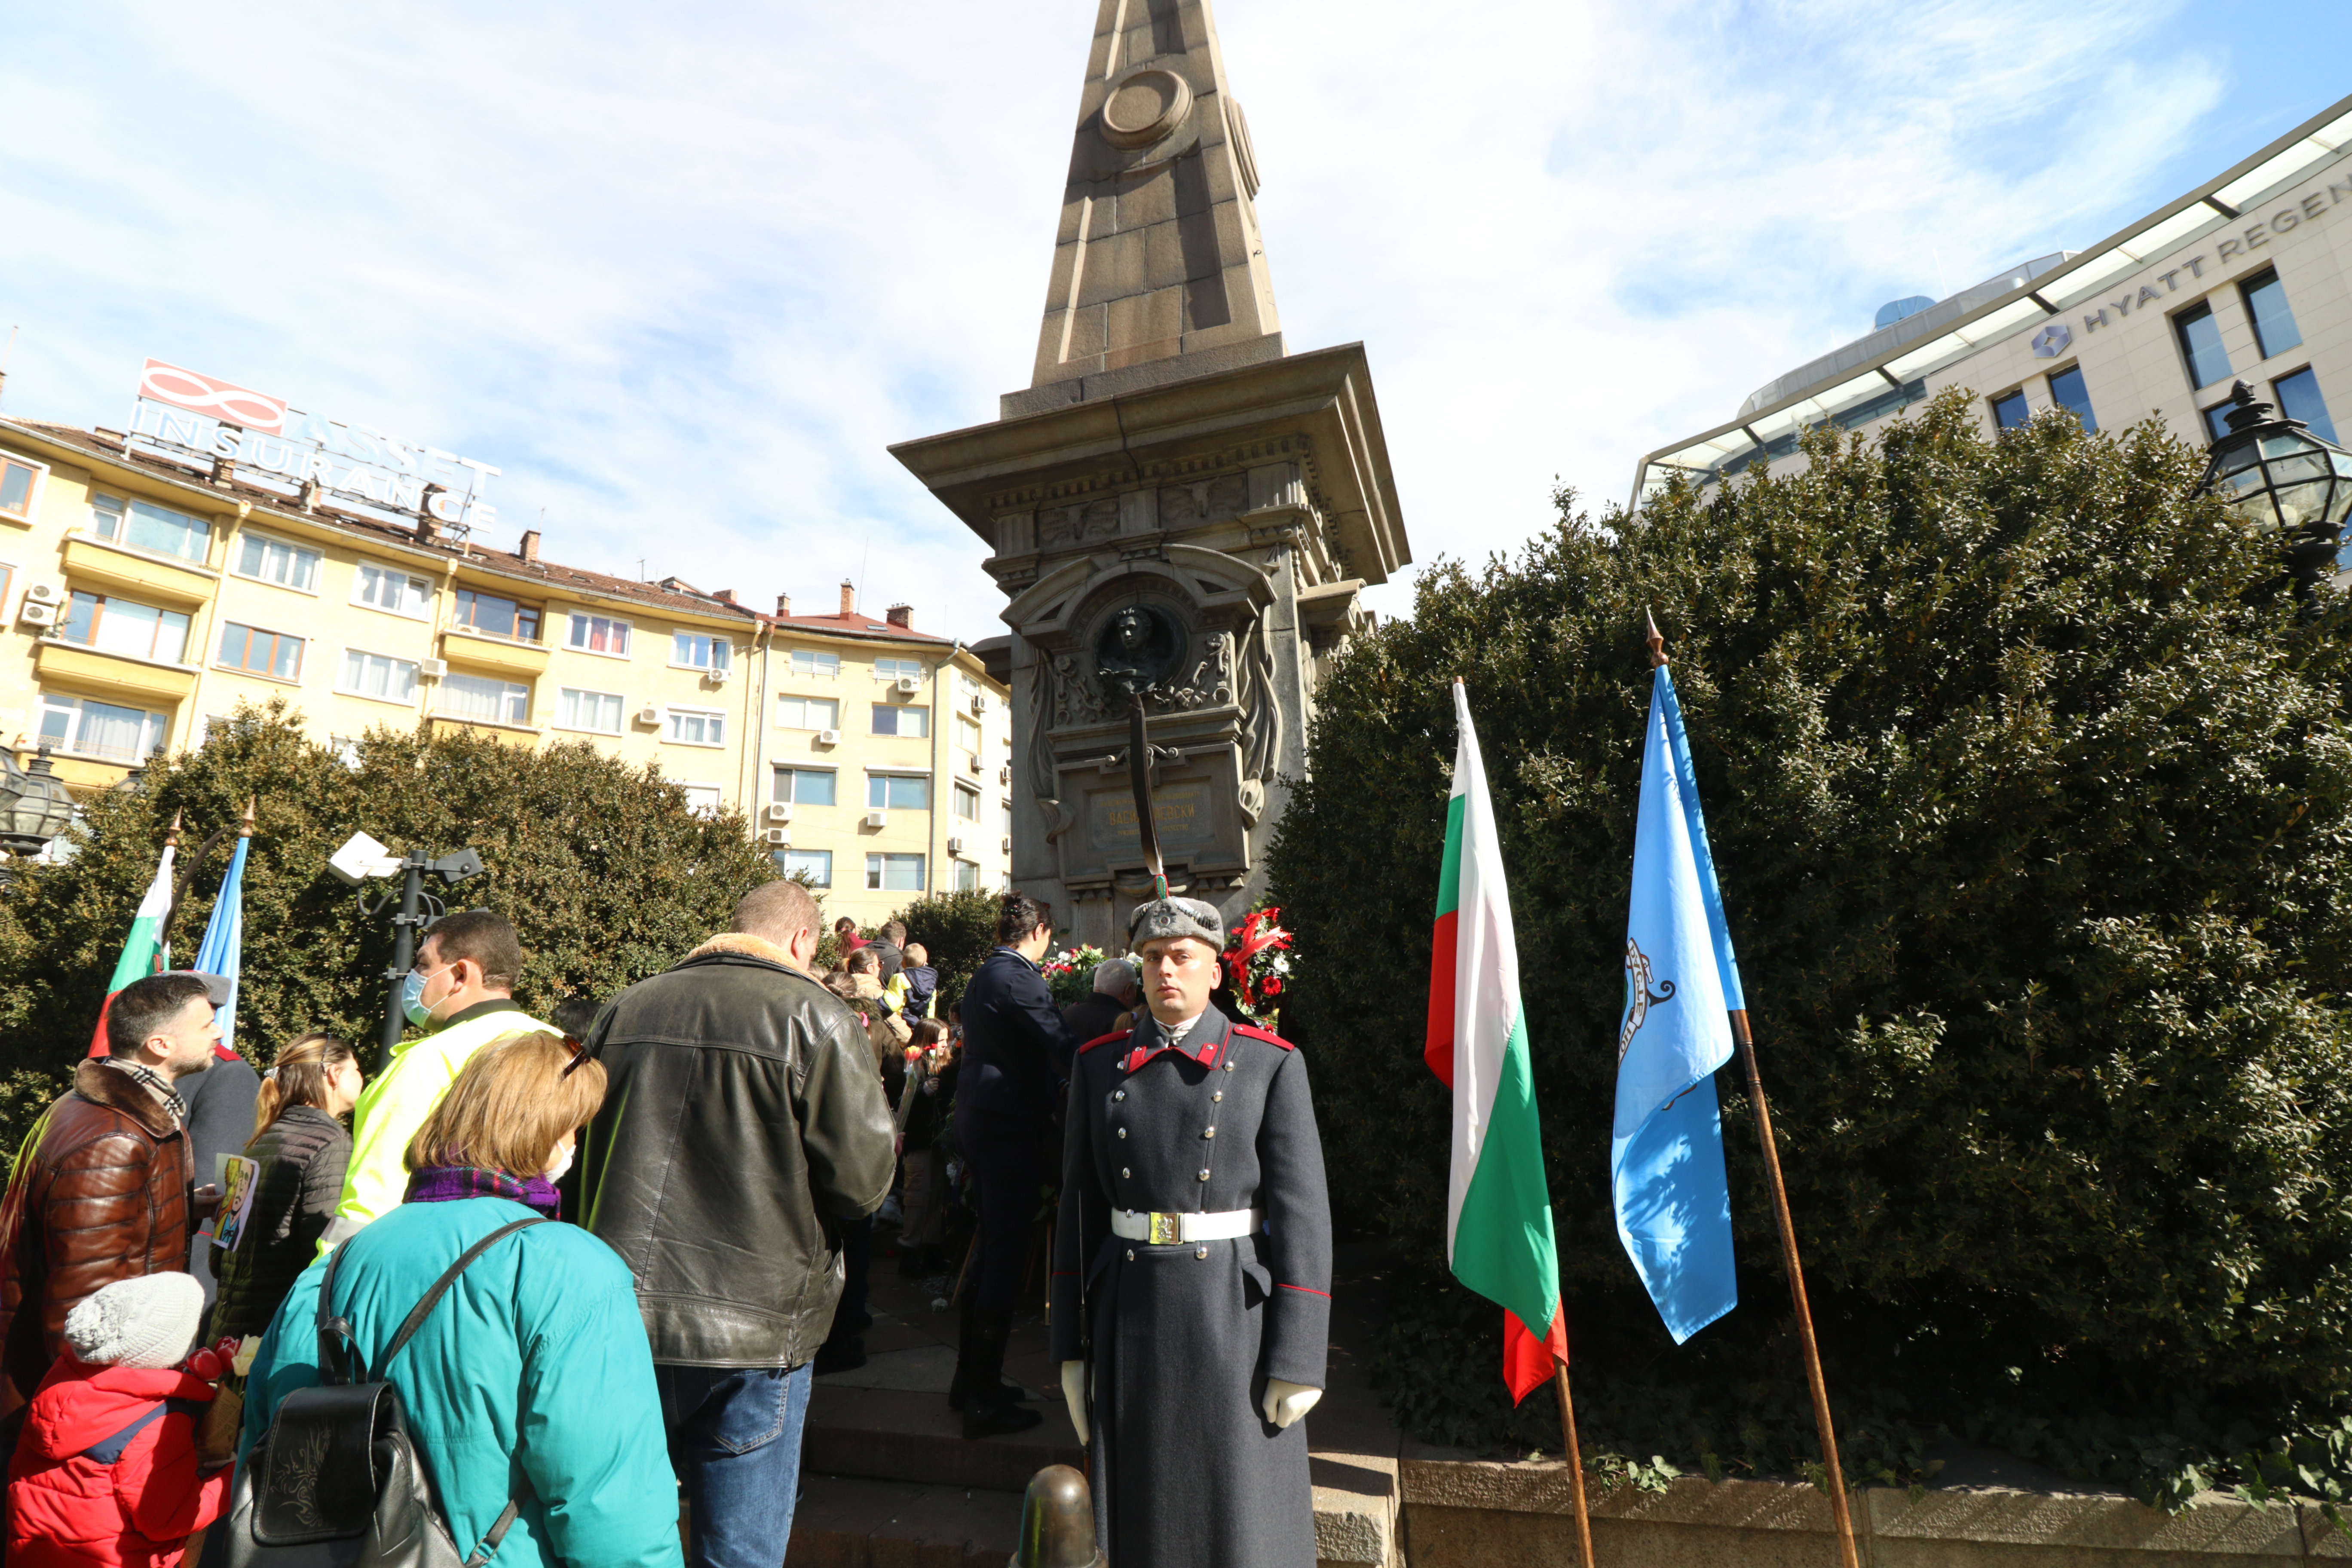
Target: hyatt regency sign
x,y
201,420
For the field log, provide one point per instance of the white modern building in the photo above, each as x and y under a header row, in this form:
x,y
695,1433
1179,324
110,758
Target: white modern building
x,y
2244,279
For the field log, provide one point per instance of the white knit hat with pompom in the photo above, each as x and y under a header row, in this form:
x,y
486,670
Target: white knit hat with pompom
x,y
150,1321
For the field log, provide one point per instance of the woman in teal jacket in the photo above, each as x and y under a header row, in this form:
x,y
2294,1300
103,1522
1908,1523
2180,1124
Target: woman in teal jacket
x,y
531,1380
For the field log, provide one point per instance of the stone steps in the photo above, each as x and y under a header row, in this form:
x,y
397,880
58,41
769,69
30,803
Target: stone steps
x,y
846,1522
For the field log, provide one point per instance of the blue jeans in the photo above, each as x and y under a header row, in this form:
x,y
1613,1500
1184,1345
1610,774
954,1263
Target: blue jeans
x,y
735,1442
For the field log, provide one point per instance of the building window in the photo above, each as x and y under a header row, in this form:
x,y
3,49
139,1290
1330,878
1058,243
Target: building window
x,y
893,873
143,525
804,786
2066,390
599,634
2275,329
1008,817
693,650
2217,421
2201,345
914,723
8,581
808,665
495,616
86,729
697,727
120,626
703,800
273,561
389,588
898,792
966,687
483,700
808,712
892,669
2009,413
967,734
967,877
377,675
967,804
2298,399
264,653
598,712
16,477
815,866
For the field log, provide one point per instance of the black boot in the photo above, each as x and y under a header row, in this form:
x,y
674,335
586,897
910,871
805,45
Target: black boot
x,y
966,1309
967,1369
911,1262
991,1415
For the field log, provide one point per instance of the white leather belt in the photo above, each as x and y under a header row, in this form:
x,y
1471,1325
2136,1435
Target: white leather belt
x,y
1176,1229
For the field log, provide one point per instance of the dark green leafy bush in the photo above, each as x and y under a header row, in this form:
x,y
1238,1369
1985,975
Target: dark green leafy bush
x,y
2033,811
605,871
957,930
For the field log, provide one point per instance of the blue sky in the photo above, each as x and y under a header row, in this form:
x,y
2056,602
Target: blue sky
x,y
684,272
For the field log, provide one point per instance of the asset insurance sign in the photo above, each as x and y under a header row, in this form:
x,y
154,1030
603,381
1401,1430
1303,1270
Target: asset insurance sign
x,y
189,417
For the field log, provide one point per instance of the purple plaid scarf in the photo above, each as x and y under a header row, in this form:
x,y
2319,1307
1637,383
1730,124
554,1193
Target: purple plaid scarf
x,y
448,1184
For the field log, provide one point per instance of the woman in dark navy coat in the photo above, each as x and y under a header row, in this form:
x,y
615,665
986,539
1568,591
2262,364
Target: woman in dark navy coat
x,y
1193,1271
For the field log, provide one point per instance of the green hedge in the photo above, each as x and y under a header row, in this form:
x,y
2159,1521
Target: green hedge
x,y
2032,806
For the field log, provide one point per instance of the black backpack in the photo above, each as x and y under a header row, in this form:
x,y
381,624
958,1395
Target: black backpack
x,y
337,1482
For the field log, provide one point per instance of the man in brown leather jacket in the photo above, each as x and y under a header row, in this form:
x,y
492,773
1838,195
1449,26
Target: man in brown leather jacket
x,y
743,1133
103,1189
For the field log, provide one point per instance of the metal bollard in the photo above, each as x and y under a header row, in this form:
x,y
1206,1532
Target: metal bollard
x,y
1057,1522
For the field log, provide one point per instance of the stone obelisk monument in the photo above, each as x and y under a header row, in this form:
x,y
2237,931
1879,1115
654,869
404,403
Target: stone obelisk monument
x,y
1175,503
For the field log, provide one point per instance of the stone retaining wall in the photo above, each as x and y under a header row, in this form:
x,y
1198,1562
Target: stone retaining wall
x,y
1473,1514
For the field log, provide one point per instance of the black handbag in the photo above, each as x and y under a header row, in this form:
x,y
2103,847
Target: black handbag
x,y
337,1482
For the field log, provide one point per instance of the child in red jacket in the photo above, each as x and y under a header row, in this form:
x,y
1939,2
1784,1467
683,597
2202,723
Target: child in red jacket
x,y
106,1474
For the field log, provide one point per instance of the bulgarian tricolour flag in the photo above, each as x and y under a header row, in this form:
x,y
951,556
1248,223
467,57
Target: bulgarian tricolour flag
x,y
139,949
1498,1234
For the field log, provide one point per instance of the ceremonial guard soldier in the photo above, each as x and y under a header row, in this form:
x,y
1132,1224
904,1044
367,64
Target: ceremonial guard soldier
x,y
1193,1271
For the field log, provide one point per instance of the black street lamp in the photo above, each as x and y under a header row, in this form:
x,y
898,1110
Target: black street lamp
x,y
2275,476
34,806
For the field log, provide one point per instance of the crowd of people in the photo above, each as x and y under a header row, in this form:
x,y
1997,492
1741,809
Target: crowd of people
x,y
722,1138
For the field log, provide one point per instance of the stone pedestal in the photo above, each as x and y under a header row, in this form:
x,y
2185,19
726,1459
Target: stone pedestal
x,y
1170,465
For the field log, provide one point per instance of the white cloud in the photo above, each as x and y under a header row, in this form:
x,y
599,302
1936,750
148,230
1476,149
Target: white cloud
x,y
685,274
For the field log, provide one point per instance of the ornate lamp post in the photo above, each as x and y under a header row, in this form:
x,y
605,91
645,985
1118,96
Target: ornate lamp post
x,y
34,804
2276,477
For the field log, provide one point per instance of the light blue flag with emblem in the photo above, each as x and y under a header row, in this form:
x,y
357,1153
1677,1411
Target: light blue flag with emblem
x,y
223,950
1665,1149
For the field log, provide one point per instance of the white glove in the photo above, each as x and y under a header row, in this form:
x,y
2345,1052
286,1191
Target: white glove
x,y
1287,1402
1074,1391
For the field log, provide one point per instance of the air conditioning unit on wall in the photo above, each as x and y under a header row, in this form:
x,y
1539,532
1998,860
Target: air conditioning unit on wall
x,y
432,669
44,594
779,835
979,704
35,614
877,819
717,675
975,763
828,737
780,811
648,715
909,685
955,846
1004,773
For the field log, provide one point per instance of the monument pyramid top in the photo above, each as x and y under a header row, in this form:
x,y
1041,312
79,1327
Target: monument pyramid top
x,y
1159,271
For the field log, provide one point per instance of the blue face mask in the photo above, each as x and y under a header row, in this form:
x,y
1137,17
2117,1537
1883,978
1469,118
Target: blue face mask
x,y
411,1000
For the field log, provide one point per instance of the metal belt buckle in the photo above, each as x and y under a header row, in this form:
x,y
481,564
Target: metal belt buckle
x,y
1167,1229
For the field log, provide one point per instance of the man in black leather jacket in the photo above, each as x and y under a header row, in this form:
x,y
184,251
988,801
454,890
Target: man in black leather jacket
x,y
742,1128
1016,1068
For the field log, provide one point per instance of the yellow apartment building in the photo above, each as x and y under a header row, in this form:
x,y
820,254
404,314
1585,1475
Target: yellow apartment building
x,y
144,600
888,760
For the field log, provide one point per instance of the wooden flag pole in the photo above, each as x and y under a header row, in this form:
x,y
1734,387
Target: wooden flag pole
x,y
1796,1292
1813,1381
1575,1462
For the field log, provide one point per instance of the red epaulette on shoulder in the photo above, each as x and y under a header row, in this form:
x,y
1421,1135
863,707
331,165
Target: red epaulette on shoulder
x,y
1105,1039
1268,1036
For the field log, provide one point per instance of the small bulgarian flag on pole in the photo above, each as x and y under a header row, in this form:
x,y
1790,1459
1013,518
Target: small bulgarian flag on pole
x,y
146,938
1498,1233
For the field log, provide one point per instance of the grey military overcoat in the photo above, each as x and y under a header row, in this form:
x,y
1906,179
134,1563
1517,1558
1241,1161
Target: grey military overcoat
x,y
1180,1340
